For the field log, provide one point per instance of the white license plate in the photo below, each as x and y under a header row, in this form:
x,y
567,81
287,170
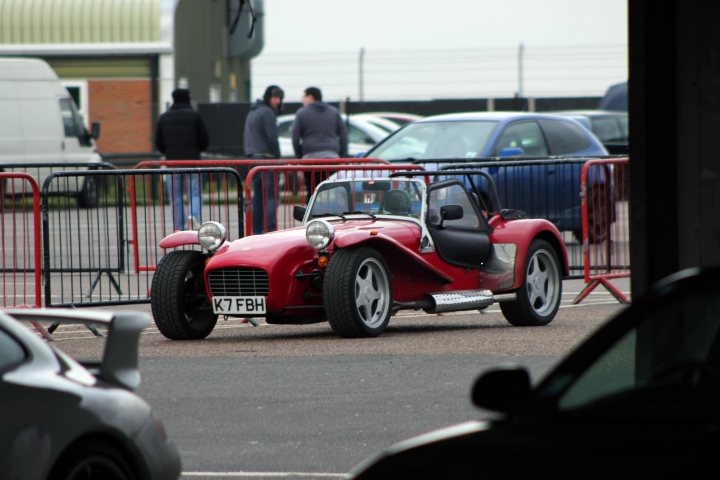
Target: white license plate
x,y
239,305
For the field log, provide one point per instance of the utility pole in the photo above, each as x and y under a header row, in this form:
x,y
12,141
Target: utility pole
x,y
361,75
521,72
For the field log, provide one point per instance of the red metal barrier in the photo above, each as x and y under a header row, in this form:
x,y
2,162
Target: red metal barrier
x,y
298,182
21,267
159,224
605,225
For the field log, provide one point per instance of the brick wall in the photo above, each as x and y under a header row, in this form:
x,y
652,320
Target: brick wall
x,y
124,110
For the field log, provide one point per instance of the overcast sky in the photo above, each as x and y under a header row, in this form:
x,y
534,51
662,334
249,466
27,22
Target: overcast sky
x,y
420,49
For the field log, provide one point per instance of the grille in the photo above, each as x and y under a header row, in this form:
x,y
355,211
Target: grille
x,y
238,282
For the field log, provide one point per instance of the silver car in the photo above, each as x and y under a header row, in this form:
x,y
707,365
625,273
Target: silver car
x,y
60,419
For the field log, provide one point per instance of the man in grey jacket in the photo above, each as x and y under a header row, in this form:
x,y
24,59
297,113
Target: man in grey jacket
x,y
318,131
260,139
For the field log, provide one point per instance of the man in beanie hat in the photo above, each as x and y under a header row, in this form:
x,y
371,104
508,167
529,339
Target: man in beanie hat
x,y
260,140
181,134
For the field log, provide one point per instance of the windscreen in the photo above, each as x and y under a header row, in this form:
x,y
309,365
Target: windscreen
x,y
369,196
436,140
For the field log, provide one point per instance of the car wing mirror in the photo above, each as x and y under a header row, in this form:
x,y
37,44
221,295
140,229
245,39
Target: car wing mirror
x,y
95,130
502,390
450,212
511,152
299,213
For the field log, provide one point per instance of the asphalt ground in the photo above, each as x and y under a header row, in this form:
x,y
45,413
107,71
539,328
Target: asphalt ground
x,y
279,401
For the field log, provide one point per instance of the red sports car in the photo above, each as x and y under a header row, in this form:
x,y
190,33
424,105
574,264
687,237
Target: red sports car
x,y
367,249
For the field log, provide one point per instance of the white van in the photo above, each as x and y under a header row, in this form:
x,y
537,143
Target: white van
x,y
40,124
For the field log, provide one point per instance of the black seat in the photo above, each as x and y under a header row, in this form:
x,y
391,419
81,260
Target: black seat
x,y
396,202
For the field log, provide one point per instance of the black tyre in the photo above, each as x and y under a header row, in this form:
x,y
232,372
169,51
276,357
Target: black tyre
x,y
357,293
92,460
180,306
87,197
538,298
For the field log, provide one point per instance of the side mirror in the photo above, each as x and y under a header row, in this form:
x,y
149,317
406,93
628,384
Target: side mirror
x,y
450,212
511,152
503,390
359,155
299,213
95,130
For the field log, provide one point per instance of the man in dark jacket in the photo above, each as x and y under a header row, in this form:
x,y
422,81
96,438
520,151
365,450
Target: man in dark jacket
x,y
181,134
318,131
260,139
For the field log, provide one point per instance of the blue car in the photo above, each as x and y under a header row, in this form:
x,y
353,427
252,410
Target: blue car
x,y
549,188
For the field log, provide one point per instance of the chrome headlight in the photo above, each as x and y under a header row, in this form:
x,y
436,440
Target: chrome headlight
x,y
319,234
211,235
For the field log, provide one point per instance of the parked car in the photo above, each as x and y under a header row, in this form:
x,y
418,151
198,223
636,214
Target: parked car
x,y
611,127
547,189
396,117
40,125
366,249
64,420
362,135
640,398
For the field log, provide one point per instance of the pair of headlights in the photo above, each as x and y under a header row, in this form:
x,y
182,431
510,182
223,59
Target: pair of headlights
x,y
319,234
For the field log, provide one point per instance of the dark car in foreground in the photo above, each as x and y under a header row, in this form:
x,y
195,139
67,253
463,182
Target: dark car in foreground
x,y
640,398
63,420
504,142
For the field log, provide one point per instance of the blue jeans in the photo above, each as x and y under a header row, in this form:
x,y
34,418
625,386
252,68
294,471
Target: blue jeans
x,y
264,203
177,185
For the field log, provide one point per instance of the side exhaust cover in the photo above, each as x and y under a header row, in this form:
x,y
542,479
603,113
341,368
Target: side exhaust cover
x,y
461,300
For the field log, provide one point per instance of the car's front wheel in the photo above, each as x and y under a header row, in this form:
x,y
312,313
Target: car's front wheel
x,y
538,298
180,306
357,293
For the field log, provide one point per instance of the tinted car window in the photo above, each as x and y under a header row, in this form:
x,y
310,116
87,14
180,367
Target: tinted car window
x,y
564,138
686,350
355,135
525,135
607,130
11,353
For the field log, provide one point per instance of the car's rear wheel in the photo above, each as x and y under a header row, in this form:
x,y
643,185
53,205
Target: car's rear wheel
x,y
92,460
357,293
538,298
180,306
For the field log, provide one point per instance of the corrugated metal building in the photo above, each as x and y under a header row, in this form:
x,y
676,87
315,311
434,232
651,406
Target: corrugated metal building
x,y
121,59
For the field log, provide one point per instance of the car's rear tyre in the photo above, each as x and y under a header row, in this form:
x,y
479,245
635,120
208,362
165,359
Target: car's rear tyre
x,y
180,306
357,293
538,298
92,460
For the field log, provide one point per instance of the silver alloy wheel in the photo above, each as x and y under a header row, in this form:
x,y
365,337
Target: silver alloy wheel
x,y
542,278
372,292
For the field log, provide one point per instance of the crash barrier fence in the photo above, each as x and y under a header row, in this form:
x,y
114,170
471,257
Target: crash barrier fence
x,y
191,216
277,190
91,256
605,227
23,195
548,188
20,240
107,255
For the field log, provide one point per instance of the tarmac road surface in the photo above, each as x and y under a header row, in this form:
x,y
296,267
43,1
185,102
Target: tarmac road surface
x,y
278,401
